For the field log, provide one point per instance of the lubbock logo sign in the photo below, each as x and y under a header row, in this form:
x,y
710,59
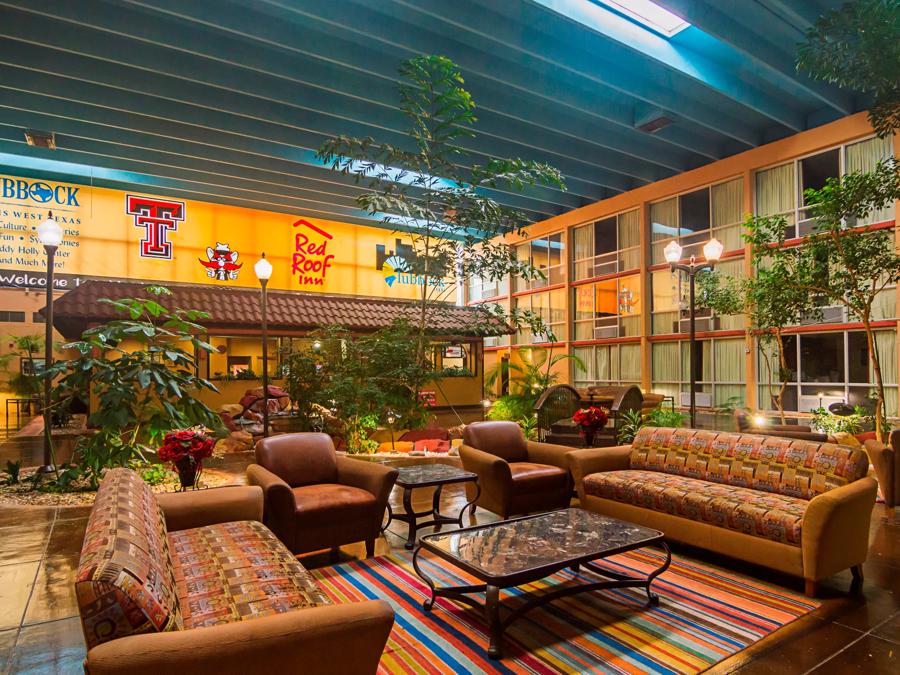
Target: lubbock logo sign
x,y
38,192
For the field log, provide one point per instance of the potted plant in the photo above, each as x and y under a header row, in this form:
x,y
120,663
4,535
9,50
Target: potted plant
x,y
186,449
589,420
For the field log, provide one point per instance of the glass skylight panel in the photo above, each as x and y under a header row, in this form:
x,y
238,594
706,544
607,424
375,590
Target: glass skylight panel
x,y
648,14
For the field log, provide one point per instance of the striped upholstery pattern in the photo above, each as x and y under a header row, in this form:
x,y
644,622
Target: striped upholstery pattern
x,y
705,615
789,467
237,571
124,583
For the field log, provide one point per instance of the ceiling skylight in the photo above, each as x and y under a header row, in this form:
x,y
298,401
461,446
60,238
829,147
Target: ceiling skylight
x,y
648,14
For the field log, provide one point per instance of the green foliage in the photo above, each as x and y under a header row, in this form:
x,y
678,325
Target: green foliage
x,y
13,469
511,407
829,423
24,348
731,404
426,189
857,46
142,392
663,417
456,371
305,384
154,474
531,374
358,430
630,423
529,426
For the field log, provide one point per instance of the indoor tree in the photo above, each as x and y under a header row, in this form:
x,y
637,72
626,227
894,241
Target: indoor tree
x,y
841,263
141,369
857,46
433,193
770,299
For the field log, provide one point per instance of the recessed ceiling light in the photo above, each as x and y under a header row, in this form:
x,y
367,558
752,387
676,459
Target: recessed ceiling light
x,y
648,14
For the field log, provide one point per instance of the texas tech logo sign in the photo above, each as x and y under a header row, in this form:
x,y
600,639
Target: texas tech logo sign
x,y
158,217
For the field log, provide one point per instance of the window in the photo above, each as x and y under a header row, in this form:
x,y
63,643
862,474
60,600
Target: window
x,y
831,367
606,246
607,364
12,317
481,289
607,309
780,190
547,255
498,340
37,317
696,217
718,370
551,307
453,359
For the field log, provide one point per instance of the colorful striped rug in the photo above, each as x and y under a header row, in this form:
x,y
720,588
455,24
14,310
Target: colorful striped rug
x,y
705,615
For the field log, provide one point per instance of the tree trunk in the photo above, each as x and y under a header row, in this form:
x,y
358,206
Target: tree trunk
x,y
782,368
879,382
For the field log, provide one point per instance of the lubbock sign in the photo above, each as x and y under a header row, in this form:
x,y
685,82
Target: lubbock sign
x,y
38,192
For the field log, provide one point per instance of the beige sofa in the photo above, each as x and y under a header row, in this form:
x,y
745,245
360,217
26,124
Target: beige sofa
x,y
793,505
194,583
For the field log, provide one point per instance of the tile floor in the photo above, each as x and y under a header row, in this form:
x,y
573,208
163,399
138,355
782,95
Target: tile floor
x,y
40,631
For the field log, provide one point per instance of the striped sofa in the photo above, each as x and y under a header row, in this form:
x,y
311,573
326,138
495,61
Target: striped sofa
x,y
195,583
798,506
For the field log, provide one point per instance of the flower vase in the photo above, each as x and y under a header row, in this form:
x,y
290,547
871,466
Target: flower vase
x,y
188,472
588,437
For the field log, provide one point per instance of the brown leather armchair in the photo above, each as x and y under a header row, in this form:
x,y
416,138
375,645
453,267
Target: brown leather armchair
x,y
317,499
516,476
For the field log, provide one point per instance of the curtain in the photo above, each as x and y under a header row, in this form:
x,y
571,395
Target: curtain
x,y
885,305
727,202
729,360
629,226
864,156
665,357
775,191
630,362
886,346
663,226
602,373
582,250
586,356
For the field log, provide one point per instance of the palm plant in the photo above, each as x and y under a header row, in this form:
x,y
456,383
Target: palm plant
x,y
532,373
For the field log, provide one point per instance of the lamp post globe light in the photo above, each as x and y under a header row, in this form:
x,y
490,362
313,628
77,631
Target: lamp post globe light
x,y
263,269
50,234
712,251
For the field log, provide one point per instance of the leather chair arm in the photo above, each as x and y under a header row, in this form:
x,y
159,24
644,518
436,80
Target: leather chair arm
x,y
548,453
494,476
186,510
594,460
280,505
344,639
884,459
835,532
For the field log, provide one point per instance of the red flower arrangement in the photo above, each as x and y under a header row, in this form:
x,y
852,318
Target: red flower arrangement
x,y
590,419
186,449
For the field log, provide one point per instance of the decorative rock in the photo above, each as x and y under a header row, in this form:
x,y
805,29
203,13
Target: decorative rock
x,y
236,441
233,409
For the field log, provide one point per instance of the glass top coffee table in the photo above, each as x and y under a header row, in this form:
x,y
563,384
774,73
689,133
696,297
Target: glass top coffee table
x,y
522,550
429,475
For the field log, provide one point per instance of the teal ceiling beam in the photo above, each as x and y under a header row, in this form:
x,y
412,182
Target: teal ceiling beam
x,y
735,25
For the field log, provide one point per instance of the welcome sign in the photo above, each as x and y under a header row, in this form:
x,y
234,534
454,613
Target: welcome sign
x,y
146,237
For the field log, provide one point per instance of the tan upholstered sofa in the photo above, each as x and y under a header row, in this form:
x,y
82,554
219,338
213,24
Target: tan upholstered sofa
x,y
194,583
793,505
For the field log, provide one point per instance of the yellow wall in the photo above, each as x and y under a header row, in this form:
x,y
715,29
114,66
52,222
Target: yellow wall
x,y
101,239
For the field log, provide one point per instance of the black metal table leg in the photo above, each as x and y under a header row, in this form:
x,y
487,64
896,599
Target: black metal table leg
x,y
411,519
492,616
436,508
471,504
390,517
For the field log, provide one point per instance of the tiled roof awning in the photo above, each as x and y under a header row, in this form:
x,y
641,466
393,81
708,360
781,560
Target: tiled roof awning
x,y
289,312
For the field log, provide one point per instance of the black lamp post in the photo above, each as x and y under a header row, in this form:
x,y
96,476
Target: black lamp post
x,y
712,251
50,235
263,269
392,418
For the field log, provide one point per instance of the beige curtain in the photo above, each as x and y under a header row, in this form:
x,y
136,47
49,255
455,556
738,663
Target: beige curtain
x,y
665,357
663,227
586,354
602,372
727,202
630,362
775,192
583,250
629,226
863,156
729,360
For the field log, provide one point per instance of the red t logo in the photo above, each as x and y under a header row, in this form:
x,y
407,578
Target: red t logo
x,y
157,217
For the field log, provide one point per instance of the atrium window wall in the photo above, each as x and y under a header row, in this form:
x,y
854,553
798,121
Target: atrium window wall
x,y
826,367
607,364
546,254
719,370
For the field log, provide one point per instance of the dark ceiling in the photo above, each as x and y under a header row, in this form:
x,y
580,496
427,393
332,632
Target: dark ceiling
x,y
226,101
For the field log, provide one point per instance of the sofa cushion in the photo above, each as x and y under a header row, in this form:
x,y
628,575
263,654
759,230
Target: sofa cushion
x,y
339,502
761,514
124,584
237,571
791,467
532,477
